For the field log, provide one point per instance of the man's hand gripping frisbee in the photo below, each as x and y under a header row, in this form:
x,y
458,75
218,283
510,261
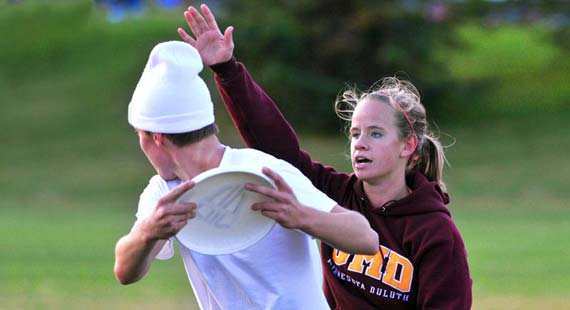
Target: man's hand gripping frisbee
x,y
169,216
285,209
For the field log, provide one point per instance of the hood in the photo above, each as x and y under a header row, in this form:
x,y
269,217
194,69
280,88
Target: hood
x,y
427,196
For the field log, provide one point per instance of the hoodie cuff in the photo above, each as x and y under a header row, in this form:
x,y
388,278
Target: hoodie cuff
x,y
226,70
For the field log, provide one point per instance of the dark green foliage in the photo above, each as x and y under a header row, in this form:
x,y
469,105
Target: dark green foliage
x,y
306,52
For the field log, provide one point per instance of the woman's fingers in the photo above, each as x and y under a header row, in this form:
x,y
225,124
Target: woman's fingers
x,y
198,22
192,22
186,37
209,18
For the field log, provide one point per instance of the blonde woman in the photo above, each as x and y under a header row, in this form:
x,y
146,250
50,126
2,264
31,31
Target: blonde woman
x,y
397,184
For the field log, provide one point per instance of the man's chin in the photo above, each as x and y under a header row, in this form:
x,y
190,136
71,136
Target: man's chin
x,y
168,177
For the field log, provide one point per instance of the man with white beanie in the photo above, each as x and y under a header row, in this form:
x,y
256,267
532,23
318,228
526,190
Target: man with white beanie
x,y
173,114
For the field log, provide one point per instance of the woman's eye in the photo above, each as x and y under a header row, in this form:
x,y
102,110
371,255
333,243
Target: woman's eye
x,y
355,135
376,135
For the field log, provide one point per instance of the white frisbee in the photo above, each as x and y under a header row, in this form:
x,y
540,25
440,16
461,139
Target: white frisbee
x,y
225,222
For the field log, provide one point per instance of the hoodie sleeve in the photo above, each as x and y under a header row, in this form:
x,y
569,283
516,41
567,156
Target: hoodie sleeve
x,y
253,112
262,126
444,280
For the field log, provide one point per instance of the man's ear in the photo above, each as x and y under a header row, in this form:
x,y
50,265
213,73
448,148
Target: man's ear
x,y
410,146
158,138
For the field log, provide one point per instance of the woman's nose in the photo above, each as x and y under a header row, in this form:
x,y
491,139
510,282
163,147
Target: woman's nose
x,y
360,144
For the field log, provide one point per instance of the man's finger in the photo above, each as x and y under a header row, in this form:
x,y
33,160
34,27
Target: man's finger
x,y
184,217
174,194
277,179
182,208
271,213
186,37
265,206
270,192
262,189
178,225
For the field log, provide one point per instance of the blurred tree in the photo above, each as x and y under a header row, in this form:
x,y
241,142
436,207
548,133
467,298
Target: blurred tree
x,y
510,58
464,56
304,52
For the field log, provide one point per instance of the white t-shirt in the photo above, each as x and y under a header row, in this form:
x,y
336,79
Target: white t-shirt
x,y
281,271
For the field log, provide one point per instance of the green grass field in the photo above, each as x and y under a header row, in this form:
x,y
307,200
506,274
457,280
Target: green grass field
x,y
62,216
71,173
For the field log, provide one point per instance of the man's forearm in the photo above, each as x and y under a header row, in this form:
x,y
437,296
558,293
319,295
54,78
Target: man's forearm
x,y
133,256
344,230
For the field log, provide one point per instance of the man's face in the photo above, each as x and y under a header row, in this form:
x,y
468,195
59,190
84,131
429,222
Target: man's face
x,y
152,147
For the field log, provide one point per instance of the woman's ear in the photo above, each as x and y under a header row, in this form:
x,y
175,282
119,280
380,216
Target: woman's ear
x,y
410,146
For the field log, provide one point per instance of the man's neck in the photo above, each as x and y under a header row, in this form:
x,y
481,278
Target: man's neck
x,y
198,157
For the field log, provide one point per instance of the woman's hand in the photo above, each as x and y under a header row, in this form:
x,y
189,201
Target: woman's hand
x,y
213,46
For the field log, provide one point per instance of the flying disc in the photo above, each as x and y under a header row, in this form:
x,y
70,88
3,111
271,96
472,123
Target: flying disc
x,y
225,222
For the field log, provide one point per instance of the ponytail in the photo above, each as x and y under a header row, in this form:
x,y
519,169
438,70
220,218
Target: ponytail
x,y
430,159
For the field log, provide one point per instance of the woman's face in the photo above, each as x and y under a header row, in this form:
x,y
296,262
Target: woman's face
x,y
375,147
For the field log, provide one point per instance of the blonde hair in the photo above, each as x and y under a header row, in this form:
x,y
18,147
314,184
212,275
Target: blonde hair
x,y
411,119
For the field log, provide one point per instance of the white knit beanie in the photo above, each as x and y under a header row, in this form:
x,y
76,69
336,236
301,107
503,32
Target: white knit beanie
x,y
170,96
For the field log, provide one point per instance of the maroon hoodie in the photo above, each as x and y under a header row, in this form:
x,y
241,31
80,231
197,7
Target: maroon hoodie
x,y
421,262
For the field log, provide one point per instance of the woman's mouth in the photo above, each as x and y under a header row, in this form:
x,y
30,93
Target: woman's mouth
x,y
361,161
